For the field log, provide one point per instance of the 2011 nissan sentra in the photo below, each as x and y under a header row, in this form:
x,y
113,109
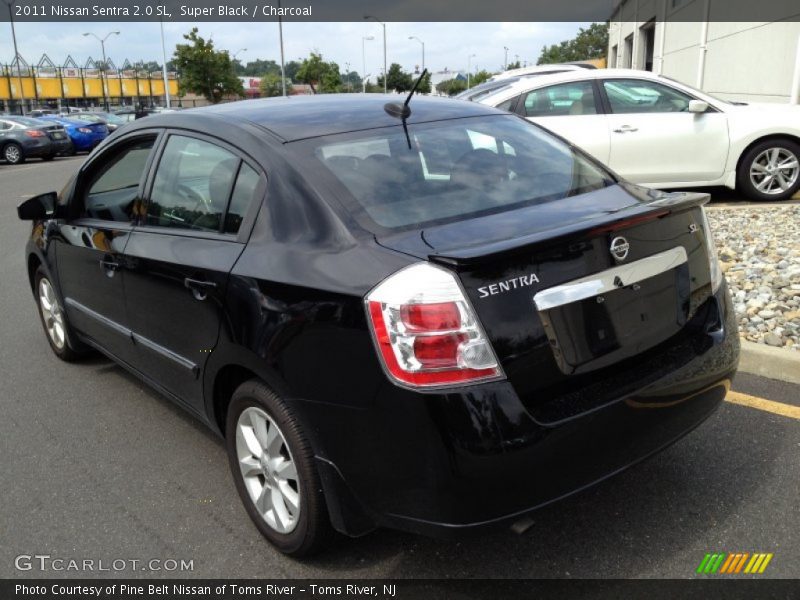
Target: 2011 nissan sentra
x,y
431,317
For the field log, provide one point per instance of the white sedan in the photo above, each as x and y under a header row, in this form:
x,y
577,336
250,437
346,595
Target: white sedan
x,y
660,133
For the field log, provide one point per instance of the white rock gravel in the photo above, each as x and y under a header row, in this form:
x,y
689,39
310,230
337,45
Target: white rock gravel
x,y
759,250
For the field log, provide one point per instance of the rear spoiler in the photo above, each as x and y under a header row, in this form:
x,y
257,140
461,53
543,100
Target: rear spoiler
x,y
659,208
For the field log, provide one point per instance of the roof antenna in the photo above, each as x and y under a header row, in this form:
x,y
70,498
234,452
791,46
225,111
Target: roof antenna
x,y
402,111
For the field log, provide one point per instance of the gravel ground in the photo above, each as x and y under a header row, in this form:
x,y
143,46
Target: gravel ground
x,y
759,249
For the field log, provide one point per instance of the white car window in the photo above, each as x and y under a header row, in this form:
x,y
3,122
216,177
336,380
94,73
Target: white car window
x,y
575,98
639,96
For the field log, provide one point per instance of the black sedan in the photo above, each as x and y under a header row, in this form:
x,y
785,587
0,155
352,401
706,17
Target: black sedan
x,y
22,138
434,321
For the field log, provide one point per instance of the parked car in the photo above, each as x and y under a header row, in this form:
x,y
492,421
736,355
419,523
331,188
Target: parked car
x,y
85,136
41,112
661,133
110,120
22,138
506,78
435,321
131,114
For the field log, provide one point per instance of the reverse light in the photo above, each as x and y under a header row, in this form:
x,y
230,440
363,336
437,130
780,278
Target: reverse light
x,y
711,248
426,332
35,133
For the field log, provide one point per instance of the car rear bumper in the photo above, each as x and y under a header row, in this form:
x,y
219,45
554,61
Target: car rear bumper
x,y
86,141
37,147
441,464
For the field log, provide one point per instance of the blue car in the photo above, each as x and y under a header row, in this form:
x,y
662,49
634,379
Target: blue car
x,y
85,136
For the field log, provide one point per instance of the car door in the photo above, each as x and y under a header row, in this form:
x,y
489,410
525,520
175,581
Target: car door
x,y
654,137
178,258
90,242
573,111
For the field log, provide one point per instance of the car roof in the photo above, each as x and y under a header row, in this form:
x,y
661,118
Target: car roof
x,y
299,117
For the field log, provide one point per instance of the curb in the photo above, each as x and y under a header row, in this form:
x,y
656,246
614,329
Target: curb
x,y
773,363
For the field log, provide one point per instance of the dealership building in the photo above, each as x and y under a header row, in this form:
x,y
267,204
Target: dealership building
x,y
697,43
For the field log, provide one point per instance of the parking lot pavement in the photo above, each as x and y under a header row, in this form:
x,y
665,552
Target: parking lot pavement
x,y
96,465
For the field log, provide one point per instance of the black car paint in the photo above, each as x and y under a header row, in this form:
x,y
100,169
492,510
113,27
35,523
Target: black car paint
x,y
288,308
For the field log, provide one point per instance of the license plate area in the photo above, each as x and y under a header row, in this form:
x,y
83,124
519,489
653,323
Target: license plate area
x,y
618,313
57,135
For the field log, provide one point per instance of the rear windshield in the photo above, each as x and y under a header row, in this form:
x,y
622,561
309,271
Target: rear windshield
x,y
452,170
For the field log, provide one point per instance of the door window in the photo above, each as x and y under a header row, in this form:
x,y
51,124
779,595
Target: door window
x,y
575,98
243,194
639,96
193,185
112,191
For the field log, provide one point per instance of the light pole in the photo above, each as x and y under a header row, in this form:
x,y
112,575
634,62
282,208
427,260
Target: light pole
x,y
16,54
413,37
364,63
385,70
505,61
283,69
102,71
469,67
164,67
235,54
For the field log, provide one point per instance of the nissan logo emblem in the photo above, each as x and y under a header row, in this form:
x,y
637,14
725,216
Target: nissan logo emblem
x,y
619,248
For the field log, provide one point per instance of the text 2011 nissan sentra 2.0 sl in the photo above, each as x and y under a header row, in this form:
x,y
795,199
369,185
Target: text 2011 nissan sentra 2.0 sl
x,y
430,321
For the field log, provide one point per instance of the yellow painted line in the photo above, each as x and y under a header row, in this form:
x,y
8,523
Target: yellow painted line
x,y
766,562
727,564
776,408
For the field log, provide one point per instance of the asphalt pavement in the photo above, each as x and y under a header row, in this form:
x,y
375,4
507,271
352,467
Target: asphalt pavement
x,y
94,465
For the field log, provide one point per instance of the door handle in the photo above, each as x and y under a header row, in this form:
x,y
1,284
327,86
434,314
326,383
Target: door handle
x,y
109,265
626,129
199,287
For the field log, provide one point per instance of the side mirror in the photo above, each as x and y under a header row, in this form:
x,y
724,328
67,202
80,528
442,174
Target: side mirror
x,y
39,207
698,106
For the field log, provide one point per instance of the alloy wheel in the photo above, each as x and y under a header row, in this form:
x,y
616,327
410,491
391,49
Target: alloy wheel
x,y
268,469
12,154
51,314
774,171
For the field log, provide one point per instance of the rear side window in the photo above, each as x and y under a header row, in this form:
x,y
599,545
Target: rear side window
x,y
112,192
243,194
561,100
193,185
452,170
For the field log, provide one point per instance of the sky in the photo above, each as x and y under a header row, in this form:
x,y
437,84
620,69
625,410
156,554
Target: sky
x,y
447,45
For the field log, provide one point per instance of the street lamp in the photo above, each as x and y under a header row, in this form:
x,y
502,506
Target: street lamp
x,y
16,54
413,37
385,71
164,67
505,62
364,63
235,54
469,67
103,47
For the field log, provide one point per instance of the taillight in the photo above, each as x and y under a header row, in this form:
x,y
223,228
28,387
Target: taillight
x,y
34,133
426,332
84,130
711,248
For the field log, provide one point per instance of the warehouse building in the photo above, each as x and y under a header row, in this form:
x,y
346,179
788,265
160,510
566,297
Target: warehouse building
x,y
695,42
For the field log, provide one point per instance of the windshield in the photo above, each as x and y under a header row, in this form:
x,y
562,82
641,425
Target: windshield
x,y
453,170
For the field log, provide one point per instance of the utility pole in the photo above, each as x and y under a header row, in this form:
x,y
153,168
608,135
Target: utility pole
x,y
280,33
164,67
16,54
505,61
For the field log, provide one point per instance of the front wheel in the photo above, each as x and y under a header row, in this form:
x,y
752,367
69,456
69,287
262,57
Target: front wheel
x,y
54,320
770,170
13,153
273,467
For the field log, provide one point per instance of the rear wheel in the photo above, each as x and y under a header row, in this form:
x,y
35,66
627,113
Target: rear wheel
x,y
48,157
770,170
54,320
12,153
273,467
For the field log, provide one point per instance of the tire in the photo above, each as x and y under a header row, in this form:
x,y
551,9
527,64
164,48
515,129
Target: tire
x,y
59,334
774,167
13,154
285,462
49,157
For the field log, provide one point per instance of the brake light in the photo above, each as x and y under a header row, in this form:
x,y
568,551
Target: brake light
x,y
426,332
34,133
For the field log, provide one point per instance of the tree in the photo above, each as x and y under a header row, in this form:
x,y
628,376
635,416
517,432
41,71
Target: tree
x,y
425,85
205,71
351,82
259,68
479,77
513,65
320,75
398,80
451,87
271,85
588,44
